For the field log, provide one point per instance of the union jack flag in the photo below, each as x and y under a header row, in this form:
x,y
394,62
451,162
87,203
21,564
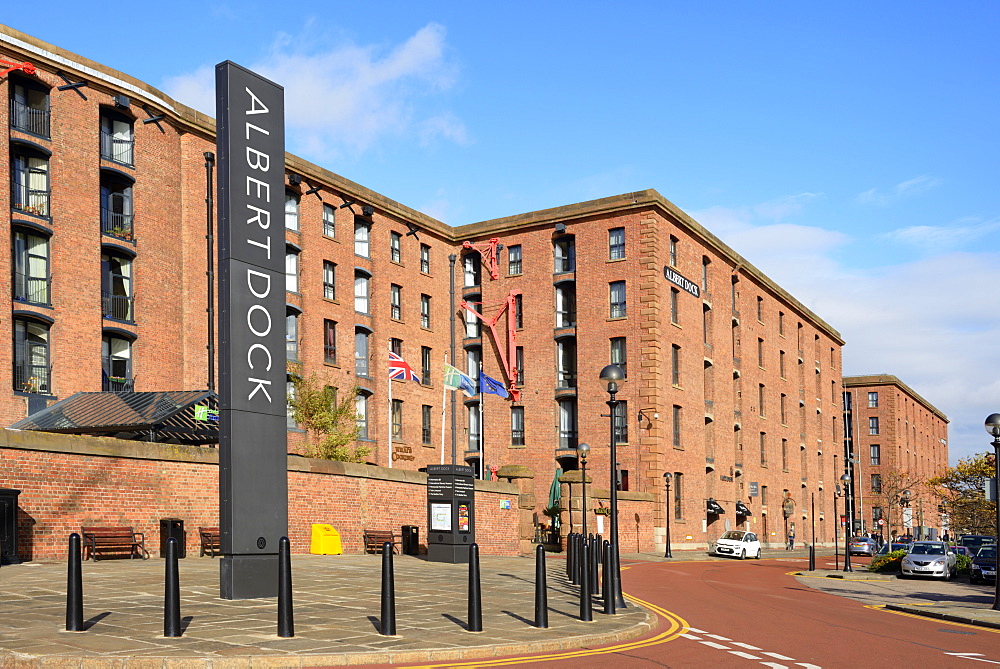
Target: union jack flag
x,y
399,369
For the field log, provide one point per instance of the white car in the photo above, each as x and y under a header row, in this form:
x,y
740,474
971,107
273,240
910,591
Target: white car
x,y
929,558
737,543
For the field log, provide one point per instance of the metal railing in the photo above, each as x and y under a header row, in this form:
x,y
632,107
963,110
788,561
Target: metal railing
x,y
29,119
115,223
118,149
32,378
118,307
30,200
566,379
31,289
116,384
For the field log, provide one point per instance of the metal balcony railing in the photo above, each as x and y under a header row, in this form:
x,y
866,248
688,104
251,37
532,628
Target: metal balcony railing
x,y
30,200
118,149
118,307
29,119
116,224
118,384
32,378
31,289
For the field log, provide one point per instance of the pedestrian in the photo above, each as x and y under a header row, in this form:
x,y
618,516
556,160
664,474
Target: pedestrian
x,y
791,539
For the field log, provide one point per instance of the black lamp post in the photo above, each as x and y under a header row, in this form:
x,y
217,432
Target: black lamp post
x,y
993,427
836,528
584,450
846,478
612,374
904,502
666,484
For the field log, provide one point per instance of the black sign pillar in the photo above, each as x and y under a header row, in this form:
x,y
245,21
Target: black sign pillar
x,y
451,512
253,478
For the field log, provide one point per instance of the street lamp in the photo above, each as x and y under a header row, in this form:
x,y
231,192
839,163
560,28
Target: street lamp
x,y
667,476
612,374
584,451
836,528
846,479
993,428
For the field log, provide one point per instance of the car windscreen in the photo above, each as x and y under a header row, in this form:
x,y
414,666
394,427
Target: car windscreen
x,y
926,549
988,552
733,535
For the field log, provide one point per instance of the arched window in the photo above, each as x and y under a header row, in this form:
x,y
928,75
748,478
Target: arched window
x,y
29,180
116,364
116,287
29,106
117,137
31,356
31,267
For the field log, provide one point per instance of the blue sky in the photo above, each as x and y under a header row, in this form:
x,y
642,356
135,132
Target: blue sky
x,y
848,150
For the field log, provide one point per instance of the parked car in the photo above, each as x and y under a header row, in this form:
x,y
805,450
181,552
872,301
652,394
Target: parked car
x,y
975,541
862,546
737,543
984,565
889,548
963,550
929,558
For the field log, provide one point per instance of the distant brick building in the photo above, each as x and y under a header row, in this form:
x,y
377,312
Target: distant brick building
x,y
732,385
899,440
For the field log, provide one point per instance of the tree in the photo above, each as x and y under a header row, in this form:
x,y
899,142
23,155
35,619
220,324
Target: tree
x,y
962,488
331,426
893,483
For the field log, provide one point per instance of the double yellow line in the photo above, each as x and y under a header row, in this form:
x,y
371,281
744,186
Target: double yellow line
x,y
675,627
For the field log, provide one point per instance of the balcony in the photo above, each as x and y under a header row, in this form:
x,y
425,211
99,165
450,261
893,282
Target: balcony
x,y
117,307
29,119
34,290
30,200
114,223
32,378
117,384
117,148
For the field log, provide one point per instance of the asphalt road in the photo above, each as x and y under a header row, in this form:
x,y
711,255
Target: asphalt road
x,y
755,613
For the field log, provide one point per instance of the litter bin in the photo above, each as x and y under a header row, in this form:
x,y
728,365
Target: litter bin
x,y
411,540
172,528
325,540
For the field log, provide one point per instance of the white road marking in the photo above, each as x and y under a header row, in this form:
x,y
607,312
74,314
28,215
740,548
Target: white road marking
x,y
746,656
975,657
697,631
691,636
778,656
807,665
717,637
774,665
712,644
745,645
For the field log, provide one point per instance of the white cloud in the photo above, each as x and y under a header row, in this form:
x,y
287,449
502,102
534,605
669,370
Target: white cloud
x,y
907,188
939,238
346,99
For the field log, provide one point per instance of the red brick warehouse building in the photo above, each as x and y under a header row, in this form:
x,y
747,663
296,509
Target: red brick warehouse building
x,y
732,385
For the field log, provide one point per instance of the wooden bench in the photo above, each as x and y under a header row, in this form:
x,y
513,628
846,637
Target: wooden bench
x,y
115,540
210,541
375,538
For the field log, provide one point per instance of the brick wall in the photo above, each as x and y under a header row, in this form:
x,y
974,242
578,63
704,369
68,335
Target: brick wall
x,y
69,481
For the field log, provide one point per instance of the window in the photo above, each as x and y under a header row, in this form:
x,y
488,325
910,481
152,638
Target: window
x,y
396,346
31,268
397,419
291,270
877,513
784,455
619,355
678,496
519,365
329,221
616,243
362,233
116,287
621,422
425,424
361,288
875,452
329,280
873,425
116,364
566,363
292,335
514,259
472,268
31,357
781,363
473,326
566,305
760,309
395,301
425,365
760,352
117,139
617,289
361,353
873,400
675,365
291,394
705,262
565,254
425,258
330,341
473,359
876,483
425,311
706,323
518,311
567,423
673,251
763,495
677,426
474,426
29,181
29,107
760,400
674,295
763,449
517,426
781,323
116,206
784,401
291,210
361,409
395,247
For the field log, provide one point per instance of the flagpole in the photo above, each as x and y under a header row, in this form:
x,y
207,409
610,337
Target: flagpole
x,y
482,431
444,392
390,417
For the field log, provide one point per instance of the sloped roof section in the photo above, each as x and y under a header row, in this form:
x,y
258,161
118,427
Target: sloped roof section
x,y
177,417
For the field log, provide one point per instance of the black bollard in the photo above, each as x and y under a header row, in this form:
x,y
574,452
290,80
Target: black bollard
x,y
388,618
812,558
171,593
286,623
586,611
594,550
574,572
600,549
571,557
607,591
475,592
74,587
581,542
541,591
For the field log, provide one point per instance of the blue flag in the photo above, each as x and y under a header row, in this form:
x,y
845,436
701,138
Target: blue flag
x,y
488,385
